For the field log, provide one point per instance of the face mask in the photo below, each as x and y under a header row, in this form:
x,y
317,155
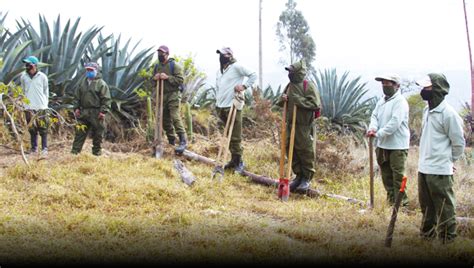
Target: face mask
x,y
91,74
161,58
426,95
292,76
388,90
224,60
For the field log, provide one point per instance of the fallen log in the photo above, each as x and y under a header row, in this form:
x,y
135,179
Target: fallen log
x,y
184,173
271,182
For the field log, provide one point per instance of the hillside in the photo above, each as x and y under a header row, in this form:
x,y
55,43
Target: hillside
x,y
132,208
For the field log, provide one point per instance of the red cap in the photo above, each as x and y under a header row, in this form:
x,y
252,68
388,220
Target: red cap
x,y
164,49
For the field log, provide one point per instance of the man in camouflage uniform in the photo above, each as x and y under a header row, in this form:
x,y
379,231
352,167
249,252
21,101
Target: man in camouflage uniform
x,y
172,74
305,96
441,144
91,104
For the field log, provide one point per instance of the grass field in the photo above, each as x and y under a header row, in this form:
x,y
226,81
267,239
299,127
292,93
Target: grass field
x,y
132,208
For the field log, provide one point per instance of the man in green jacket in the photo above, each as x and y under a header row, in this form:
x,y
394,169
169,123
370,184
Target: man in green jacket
x,y
305,96
172,74
91,104
441,144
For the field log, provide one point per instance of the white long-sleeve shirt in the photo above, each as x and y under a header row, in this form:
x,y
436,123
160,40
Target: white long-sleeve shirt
x,y
442,140
36,90
232,76
390,121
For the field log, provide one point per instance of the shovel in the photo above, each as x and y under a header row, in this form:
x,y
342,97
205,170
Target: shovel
x,y
371,165
283,187
229,126
398,201
159,119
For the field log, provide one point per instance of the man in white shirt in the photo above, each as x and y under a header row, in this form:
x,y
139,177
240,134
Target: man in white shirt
x,y
389,125
35,86
441,144
230,84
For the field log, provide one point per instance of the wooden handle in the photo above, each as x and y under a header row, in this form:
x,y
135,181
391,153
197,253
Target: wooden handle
x,y
283,140
371,165
292,143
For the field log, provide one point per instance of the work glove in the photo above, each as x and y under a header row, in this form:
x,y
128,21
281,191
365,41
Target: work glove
x,y
77,112
101,116
239,100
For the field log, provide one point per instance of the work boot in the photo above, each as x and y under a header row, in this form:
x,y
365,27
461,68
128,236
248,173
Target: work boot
x,y
239,164
182,144
171,140
231,163
304,185
44,153
295,183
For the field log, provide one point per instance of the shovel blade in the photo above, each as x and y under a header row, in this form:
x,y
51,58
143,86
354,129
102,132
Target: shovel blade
x,y
219,172
283,189
158,152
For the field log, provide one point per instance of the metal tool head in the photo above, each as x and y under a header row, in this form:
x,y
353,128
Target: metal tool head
x,y
158,152
219,172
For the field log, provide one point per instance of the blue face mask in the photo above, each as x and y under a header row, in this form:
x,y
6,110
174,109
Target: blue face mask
x,y
91,74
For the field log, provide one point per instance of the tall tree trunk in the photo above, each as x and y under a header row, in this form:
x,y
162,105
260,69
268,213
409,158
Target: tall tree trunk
x,y
260,52
472,70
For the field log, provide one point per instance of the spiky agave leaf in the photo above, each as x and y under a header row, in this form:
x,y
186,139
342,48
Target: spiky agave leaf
x,y
343,101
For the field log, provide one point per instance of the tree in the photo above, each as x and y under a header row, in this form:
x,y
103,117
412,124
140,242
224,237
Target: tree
x,y
471,65
293,34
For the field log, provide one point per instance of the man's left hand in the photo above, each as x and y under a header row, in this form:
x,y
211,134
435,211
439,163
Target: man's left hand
x,y
101,116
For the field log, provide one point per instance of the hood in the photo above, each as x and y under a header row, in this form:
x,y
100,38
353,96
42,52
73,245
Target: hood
x,y
440,87
299,71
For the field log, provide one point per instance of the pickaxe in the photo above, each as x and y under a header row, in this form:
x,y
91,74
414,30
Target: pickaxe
x,y
398,201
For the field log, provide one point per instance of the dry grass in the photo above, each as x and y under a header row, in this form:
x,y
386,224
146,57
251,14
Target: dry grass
x,y
133,208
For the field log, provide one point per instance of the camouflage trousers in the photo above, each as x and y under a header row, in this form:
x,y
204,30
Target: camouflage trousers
x,y
392,166
438,205
89,122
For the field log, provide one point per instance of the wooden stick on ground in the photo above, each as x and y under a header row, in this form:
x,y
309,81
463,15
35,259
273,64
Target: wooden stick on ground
x,y
271,182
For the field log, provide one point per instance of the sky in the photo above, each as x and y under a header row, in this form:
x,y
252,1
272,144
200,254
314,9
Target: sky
x,y
365,37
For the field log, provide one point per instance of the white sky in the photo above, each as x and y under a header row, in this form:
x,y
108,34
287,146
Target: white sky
x,y
364,37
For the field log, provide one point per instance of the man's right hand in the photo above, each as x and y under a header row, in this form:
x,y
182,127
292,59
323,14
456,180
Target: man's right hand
x,y
77,112
371,133
284,97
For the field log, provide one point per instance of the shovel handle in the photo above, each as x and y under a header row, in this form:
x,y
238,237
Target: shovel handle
x,y
292,142
283,140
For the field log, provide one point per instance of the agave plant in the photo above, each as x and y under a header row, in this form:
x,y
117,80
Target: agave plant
x,y
205,98
271,95
63,49
343,101
12,50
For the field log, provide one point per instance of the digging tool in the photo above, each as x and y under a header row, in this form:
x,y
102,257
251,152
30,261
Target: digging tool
x,y
283,190
371,165
398,201
159,119
229,126
283,186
